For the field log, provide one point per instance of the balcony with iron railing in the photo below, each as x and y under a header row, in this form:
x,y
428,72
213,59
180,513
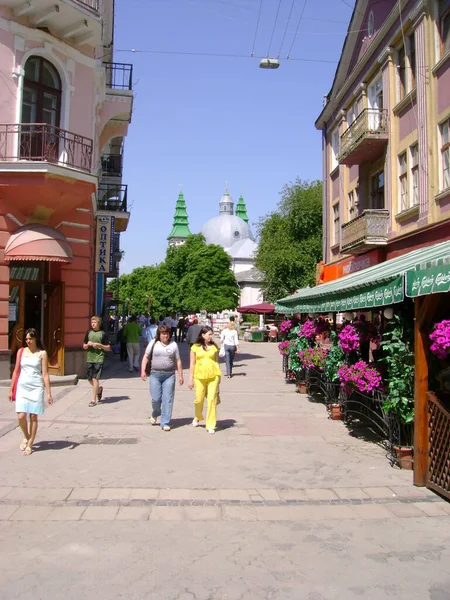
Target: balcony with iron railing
x,y
40,142
119,76
111,165
367,231
365,139
111,197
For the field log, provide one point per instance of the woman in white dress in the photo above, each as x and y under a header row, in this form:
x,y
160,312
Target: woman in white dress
x,y
32,372
230,340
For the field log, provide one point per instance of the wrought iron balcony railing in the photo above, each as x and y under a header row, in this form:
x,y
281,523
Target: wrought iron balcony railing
x,y
94,4
119,76
368,229
371,123
112,165
45,143
112,197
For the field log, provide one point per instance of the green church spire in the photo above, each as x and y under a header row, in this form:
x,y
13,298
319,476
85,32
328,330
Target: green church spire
x,y
241,209
180,229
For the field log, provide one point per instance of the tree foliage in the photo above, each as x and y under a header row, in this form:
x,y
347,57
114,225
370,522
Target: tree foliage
x,y
290,240
193,277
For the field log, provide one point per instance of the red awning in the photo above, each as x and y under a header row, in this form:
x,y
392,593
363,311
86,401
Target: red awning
x,y
38,242
257,309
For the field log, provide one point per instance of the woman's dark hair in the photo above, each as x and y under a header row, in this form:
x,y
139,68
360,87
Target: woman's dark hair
x,y
162,329
200,339
32,333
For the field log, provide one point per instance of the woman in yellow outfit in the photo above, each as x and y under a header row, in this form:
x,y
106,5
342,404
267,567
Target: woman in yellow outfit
x,y
205,374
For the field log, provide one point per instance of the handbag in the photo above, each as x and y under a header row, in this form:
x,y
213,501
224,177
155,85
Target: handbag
x,y
148,366
14,390
222,351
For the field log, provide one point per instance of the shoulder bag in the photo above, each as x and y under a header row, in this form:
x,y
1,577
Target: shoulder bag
x,y
148,366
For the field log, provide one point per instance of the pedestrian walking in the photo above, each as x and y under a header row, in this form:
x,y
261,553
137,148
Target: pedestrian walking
x,y
174,327
96,343
204,375
164,357
132,331
182,328
193,332
230,340
29,380
123,344
150,331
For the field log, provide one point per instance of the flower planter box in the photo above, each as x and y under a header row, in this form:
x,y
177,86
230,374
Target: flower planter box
x,y
336,413
301,387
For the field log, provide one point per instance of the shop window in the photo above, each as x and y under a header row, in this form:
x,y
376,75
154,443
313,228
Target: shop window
x,y
403,181
444,25
377,191
353,201
336,224
414,152
445,154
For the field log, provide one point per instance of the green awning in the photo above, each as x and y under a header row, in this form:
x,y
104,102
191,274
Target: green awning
x,y
380,285
431,280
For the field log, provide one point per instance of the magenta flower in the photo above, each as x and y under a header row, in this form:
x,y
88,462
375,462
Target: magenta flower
x,y
441,339
308,330
286,326
283,347
359,377
349,339
313,357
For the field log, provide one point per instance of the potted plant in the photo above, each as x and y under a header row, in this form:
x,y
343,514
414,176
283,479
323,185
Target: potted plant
x,y
398,357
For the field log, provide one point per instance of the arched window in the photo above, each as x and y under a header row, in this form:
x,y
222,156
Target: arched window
x,y
41,102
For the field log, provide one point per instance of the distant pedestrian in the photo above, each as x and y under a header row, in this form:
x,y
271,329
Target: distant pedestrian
x,y
174,327
193,332
132,331
230,340
165,361
29,379
96,343
182,328
123,344
205,375
150,331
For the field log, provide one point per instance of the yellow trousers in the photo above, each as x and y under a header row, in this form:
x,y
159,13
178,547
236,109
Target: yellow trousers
x,y
206,388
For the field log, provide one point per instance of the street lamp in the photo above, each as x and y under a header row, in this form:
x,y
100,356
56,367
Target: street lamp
x,y
269,63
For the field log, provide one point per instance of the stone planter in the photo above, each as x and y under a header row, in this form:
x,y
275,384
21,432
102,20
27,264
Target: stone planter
x,y
301,387
336,413
404,456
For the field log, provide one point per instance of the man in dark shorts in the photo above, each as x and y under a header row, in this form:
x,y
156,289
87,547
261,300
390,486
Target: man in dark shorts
x,y
96,343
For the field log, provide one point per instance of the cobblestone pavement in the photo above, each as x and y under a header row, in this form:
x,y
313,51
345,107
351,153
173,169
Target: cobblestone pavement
x,y
281,503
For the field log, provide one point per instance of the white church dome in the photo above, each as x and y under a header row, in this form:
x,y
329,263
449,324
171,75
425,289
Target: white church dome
x,y
225,230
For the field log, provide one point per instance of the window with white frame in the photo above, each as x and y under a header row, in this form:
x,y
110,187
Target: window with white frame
x,y
377,191
336,224
444,25
405,62
403,181
352,205
334,148
445,153
414,154
352,113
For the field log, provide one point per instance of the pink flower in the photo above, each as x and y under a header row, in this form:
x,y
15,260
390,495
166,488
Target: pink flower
x,y
349,339
308,330
441,339
359,377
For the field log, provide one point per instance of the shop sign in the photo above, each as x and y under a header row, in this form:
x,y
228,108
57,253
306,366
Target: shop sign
x,y
104,246
433,280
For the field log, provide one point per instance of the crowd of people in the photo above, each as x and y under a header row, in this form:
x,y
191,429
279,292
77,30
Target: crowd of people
x,y
158,363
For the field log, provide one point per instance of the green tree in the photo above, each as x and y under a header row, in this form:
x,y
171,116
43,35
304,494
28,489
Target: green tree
x,y
291,240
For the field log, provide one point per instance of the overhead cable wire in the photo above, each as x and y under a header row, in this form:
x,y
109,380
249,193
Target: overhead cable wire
x,y
274,27
257,26
286,28
296,31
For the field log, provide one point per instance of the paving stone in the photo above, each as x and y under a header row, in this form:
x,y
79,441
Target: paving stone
x,y
6,510
405,510
4,491
293,495
273,513
144,494
434,509
242,495
321,494
23,493
167,513
322,512
66,513
270,495
203,494
371,511
114,494
100,513
412,491
133,513
202,513
238,513
351,493
53,494
84,494
31,513
378,492
174,494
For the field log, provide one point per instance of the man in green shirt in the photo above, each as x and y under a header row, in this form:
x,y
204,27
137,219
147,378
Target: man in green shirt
x,y
96,343
131,333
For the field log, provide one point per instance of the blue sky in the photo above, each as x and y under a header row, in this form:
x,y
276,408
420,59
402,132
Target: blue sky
x,y
201,120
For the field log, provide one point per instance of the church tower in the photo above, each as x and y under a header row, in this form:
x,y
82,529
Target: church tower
x,y
226,204
241,209
180,229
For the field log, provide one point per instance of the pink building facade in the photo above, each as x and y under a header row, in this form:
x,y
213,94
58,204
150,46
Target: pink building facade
x,y
65,115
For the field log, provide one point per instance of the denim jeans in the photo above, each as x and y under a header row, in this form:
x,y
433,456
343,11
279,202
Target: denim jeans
x,y
162,391
230,351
